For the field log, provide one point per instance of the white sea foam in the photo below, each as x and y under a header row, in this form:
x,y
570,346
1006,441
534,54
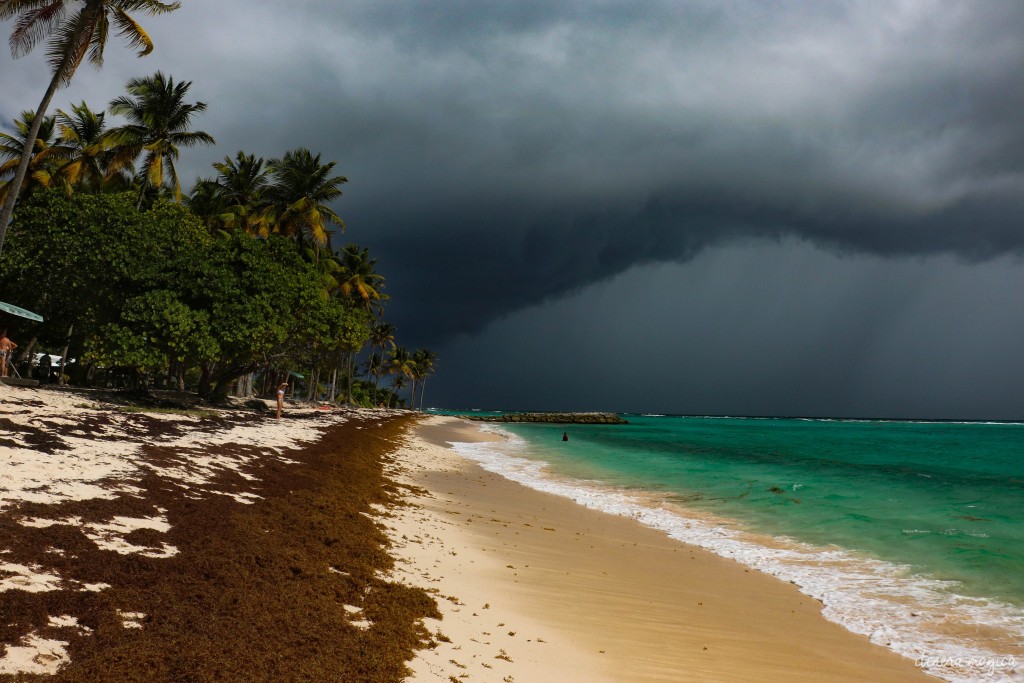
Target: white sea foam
x,y
918,617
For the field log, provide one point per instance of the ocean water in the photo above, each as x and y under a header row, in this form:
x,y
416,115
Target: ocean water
x,y
911,533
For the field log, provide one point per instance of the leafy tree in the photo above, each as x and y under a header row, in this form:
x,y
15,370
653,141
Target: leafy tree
x,y
158,125
72,38
82,260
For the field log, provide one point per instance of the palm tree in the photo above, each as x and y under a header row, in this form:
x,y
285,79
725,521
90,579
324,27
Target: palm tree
x,y
72,37
424,361
298,197
42,162
89,163
359,281
158,124
382,336
397,384
207,202
242,182
400,363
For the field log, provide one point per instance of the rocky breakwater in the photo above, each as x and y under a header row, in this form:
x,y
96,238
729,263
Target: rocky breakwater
x,y
553,418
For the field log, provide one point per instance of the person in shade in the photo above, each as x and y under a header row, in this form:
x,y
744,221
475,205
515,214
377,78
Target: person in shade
x,y
565,436
45,368
280,398
6,347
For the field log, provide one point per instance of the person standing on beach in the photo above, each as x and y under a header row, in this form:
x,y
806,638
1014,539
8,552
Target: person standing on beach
x,y
6,346
280,398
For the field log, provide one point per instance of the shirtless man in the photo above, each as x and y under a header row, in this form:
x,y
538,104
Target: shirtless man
x,y
6,347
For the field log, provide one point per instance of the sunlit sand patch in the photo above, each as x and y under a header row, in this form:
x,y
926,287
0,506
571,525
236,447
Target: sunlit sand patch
x,y
66,621
244,498
110,536
28,579
34,655
131,619
353,611
95,587
41,523
30,476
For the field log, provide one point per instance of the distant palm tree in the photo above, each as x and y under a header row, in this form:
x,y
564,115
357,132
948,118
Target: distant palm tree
x,y
382,336
242,183
89,161
424,363
159,119
73,37
207,202
397,384
400,364
43,161
299,194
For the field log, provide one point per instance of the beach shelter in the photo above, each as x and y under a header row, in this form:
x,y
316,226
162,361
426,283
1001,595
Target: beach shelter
x,y
20,312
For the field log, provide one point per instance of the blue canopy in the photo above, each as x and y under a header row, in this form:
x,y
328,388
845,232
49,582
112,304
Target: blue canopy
x,y
14,310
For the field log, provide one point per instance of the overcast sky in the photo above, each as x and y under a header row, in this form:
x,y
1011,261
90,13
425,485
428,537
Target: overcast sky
x,y
703,207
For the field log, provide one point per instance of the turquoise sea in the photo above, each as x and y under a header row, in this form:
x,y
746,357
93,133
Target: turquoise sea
x,y
911,533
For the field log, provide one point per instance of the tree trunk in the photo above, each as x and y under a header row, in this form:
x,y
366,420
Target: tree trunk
x,y
64,356
27,354
205,378
423,390
223,381
334,382
348,383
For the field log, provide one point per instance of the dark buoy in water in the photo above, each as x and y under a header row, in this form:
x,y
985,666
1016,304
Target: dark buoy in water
x,y
565,436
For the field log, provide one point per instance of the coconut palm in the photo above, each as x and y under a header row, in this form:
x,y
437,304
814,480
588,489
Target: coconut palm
x,y
207,202
242,182
299,194
382,336
397,384
43,161
73,36
89,161
158,125
424,366
359,281
400,363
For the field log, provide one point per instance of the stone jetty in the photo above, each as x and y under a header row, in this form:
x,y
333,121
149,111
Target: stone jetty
x,y
553,418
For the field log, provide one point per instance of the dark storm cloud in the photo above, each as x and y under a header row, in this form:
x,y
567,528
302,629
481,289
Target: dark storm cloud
x,y
505,153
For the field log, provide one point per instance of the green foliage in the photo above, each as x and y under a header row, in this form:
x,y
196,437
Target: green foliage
x,y
144,289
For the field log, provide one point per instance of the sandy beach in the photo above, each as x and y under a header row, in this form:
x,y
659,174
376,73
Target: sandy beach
x,y
338,545
536,588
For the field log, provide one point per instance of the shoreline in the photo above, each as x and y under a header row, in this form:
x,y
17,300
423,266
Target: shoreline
x,y
593,596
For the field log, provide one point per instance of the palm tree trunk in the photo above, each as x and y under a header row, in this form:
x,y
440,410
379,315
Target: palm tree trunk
x,y
64,356
348,388
59,75
26,157
334,382
423,390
